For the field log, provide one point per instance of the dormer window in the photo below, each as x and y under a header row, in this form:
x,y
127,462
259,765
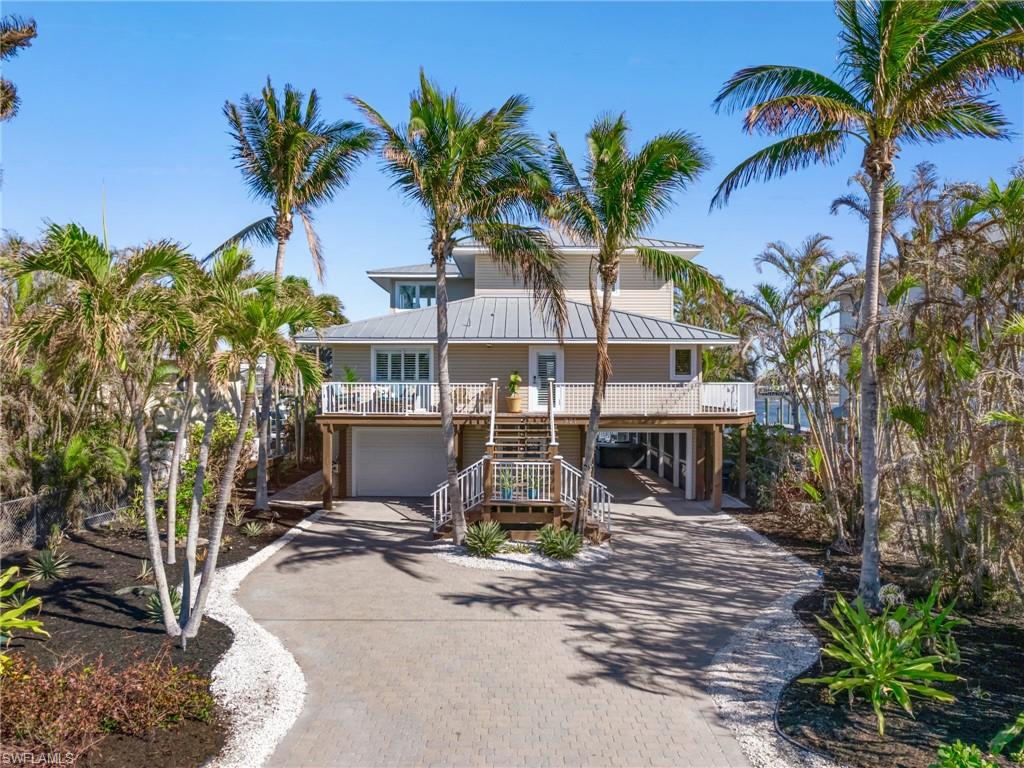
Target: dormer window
x,y
415,295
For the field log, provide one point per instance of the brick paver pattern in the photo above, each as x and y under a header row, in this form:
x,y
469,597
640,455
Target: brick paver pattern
x,y
412,661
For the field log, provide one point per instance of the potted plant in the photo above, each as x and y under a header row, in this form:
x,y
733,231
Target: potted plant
x,y
513,403
533,488
505,483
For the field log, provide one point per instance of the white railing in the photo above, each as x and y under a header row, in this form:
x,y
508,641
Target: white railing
x,y
471,484
494,410
600,497
401,398
659,398
515,481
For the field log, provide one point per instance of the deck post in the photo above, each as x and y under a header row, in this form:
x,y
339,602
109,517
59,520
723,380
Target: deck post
x,y
675,459
700,448
327,466
459,448
716,477
556,489
743,462
488,474
341,478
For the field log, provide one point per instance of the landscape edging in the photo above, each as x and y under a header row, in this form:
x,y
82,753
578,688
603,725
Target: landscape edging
x,y
748,674
257,681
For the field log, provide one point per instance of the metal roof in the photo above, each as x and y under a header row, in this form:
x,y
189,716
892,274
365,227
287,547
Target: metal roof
x,y
513,318
564,240
414,269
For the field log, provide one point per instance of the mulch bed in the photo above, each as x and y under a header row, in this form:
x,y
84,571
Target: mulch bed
x,y
989,696
87,618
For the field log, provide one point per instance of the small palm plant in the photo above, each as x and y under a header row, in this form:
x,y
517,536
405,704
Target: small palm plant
x,y
559,543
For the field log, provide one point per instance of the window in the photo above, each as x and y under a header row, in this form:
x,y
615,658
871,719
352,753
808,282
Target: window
x,y
401,365
681,363
414,295
618,282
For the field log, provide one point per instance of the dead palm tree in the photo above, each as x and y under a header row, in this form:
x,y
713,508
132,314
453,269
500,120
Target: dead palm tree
x,y
475,175
15,33
909,72
296,161
618,199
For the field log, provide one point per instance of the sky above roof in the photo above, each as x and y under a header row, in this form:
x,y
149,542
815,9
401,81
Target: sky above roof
x,y
121,108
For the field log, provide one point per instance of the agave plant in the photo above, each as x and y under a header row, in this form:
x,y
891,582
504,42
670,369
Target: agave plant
x,y
485,539
48,566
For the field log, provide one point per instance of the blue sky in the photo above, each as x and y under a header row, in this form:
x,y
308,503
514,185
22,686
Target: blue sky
x,y
123,101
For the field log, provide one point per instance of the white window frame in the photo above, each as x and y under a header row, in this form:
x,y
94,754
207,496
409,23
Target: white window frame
x,y
387,348
417,284
694,362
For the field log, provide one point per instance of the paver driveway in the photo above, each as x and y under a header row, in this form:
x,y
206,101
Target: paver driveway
x,y
411,660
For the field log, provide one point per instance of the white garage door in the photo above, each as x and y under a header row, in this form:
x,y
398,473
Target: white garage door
x,y
392,461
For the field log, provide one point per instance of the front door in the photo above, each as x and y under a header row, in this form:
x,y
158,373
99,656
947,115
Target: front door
x,y
545,363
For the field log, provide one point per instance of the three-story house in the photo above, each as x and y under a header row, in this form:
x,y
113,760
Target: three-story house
x,y
380,414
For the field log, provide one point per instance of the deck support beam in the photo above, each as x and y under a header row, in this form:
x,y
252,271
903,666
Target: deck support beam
x,y
743,463
700,451
327,466
716,475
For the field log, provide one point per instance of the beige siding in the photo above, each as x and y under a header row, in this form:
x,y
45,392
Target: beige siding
x,y
354,356
473,363
473,441
639,291
478,363
631,363
569,445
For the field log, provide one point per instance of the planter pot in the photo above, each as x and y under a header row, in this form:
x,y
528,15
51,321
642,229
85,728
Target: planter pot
x,y
506,494
513,404
532,493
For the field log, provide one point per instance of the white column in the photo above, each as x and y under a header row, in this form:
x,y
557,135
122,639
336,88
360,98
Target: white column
x,y
691,461
661,454
675,459
648,451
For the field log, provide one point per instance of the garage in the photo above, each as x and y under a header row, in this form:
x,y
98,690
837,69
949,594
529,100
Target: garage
x,y
396,461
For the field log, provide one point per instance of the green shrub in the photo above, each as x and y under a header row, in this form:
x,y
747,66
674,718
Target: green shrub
x,y
1007,737
70,707
559,543
485,539
882,657
13,607
960,755
47,566
253,528
155,612
516,548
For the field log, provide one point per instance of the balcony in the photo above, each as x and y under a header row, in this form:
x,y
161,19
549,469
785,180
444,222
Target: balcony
x,y
691,398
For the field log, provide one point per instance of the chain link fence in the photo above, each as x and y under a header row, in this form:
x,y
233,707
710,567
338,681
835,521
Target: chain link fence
x,y
25,522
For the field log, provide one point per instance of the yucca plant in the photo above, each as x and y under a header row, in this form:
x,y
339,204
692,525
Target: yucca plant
x,y
485,539
253,528
154,608
882,657
559,543
48,566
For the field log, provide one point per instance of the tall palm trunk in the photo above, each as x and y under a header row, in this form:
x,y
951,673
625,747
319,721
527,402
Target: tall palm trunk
x,y
262,501
441,251
172,479
602,369
217,523
137,406
192,540
869,407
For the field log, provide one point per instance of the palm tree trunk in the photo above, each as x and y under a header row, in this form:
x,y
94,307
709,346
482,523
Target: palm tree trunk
x,y
192,540
870,553
149,508
217,523
262,501
441,249
172,478
602,369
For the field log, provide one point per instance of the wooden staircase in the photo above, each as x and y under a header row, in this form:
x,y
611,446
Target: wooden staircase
x,y
522,439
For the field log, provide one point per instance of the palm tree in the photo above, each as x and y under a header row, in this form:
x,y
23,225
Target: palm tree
x,y
114,319
296,161
251,323
478,175
15,33
909,72
617,200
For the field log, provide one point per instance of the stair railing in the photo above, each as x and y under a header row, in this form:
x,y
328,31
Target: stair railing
x,y
552,434
471,484
600,497
494,408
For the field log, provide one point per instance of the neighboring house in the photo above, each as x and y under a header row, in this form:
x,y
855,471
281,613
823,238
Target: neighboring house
x,y
383,428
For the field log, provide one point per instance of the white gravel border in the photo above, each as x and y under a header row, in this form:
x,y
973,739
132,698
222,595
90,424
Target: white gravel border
x,y
522,561
257,682
746,676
